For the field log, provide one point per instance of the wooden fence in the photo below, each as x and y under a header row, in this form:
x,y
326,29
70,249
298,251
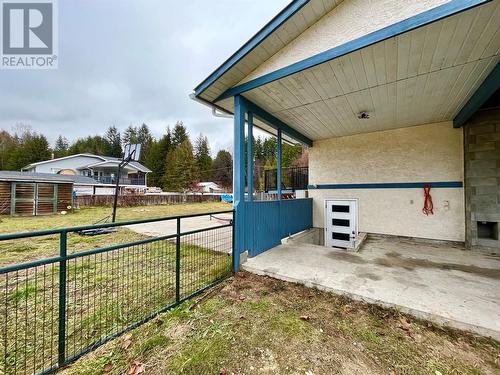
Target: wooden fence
x,y
143,200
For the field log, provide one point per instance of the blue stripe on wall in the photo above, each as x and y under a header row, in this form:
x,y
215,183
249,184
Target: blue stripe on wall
x,y
389,185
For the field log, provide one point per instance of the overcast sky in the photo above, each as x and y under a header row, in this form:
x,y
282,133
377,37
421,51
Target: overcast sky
x,y
125,62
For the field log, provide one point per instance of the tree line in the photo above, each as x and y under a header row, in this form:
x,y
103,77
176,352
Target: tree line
x,y
177,163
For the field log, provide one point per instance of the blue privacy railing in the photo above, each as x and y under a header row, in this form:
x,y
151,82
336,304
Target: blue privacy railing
x,y
267,222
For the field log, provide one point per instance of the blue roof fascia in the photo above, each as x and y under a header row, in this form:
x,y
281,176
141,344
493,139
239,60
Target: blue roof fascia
x,y
422,19
275,122
482,94
262,34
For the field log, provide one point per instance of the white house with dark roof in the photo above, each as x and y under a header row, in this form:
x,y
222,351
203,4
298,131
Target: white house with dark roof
x,y
103,169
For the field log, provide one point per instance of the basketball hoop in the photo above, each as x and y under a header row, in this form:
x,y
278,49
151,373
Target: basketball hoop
x,y
132,152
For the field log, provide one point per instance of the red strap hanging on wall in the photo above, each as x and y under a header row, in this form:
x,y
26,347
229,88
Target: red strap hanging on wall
x,y
428,205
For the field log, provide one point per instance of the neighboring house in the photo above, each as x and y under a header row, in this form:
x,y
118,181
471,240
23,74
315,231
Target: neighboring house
x,y
390,97
102,169
210,187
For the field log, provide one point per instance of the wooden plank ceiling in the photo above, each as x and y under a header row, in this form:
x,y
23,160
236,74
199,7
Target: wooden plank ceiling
x,y
423,76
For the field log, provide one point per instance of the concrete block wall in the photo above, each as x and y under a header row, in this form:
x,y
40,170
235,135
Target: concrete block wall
x,y
482,180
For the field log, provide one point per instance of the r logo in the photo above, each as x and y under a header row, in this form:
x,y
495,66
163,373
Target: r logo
x,y
27,28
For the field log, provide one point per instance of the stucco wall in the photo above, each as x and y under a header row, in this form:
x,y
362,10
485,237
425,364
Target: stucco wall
x,y
348,21
425,153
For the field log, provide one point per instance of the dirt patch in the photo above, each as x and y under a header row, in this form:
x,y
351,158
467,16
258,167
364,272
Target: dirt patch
x,y
258,325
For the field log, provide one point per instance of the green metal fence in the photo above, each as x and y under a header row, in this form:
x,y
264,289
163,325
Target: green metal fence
x,y
56,309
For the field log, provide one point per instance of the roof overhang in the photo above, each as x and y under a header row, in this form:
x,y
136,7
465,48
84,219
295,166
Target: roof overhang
x,y
424,69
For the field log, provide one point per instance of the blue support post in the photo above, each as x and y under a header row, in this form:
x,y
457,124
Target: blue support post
x,y
278,177
250,156
239,178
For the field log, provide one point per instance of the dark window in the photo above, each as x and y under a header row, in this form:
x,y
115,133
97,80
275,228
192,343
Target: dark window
x,y
341,236
341,222
336,208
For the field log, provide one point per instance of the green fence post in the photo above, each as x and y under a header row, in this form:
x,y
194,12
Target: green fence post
x,y
63,242
178,262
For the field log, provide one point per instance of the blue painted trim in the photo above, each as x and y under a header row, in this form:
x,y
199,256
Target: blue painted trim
x,y
482,94
239,178
249,46
389,185
250,156
419,20
279,169
275,122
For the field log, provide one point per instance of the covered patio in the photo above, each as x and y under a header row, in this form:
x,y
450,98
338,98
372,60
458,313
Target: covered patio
x,y
382,101
431,280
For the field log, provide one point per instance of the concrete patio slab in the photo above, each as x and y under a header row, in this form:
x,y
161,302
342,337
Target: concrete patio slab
x,y
440,282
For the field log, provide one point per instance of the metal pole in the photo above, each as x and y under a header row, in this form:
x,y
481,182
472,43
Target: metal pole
x,y
239,178
63,242
278,177
178,262
117,188
250,157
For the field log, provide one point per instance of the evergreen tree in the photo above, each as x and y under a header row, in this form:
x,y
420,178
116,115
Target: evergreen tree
x,y
270,148
156,159
32,148
130,135
7,145
290,154
181,170
61,147
92,145
223,169
115,144
258,149
203,158
179,134
145,139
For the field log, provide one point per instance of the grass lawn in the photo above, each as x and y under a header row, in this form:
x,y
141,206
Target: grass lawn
x,y
105,292
29,249
257,325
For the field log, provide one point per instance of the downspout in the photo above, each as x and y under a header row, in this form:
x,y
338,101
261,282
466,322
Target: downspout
x,y
216,110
